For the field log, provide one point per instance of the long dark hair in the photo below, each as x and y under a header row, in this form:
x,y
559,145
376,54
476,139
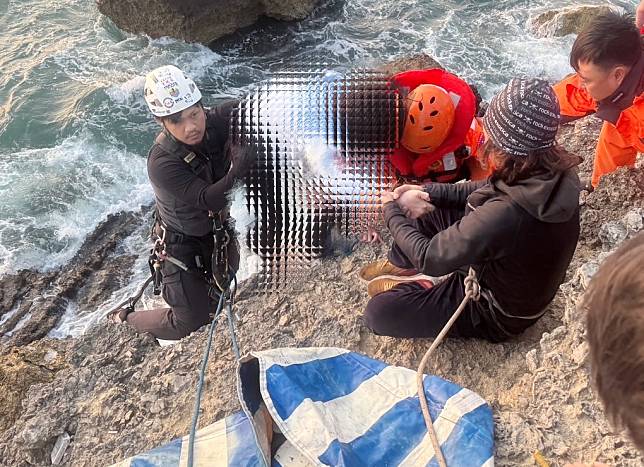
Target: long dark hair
x,y
512,169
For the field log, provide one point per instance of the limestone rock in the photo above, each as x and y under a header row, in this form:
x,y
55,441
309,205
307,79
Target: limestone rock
x,y
419,61
32,303
21,368
557,23
198,20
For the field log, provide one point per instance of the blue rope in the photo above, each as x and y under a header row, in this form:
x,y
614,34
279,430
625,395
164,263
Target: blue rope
x,y
231,323
202,377
204,362
231,328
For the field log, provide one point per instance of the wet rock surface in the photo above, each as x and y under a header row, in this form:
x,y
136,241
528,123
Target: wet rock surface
x,y
414,62
32,303
199,20
120,393
557,23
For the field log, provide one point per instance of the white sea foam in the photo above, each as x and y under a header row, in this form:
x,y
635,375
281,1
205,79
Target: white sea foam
x,y
69,190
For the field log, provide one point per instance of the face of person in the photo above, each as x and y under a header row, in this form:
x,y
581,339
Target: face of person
x,y
188,126
599,81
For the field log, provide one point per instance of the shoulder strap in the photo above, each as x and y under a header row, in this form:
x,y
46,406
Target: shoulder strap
x,y
173,147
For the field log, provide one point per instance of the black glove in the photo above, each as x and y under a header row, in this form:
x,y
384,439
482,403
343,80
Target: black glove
x,y
242,159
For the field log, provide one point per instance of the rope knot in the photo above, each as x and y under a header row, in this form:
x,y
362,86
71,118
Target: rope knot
x,y
472,288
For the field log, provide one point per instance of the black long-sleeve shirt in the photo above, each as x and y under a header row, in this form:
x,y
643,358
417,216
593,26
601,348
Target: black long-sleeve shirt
x,y
186,192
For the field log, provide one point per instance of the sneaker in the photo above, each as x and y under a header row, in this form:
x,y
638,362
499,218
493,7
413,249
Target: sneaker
x,y
383,267
386,283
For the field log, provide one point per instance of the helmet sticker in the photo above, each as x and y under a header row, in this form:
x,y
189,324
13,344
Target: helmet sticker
x,y
171,89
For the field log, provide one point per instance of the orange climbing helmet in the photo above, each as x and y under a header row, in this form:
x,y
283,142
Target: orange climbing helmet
x,y
429,118
421,163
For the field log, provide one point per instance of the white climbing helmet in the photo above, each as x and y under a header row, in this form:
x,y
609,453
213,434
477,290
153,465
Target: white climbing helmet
x,y
168,91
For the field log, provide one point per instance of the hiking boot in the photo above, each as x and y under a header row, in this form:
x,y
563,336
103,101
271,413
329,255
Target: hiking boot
x,y
386,283
383,267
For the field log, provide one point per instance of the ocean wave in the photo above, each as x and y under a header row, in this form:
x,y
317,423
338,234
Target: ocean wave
x,y
71,188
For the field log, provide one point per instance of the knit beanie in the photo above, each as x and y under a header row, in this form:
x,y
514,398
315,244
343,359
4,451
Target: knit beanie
x,y
523,117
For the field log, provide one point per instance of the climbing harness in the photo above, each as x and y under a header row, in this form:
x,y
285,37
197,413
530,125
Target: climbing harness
x,y
218,279
221,237
472,292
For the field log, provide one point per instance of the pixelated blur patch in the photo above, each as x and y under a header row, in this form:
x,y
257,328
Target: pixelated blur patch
x,y
324,142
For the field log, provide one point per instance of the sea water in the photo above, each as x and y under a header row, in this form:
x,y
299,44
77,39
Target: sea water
x,y
75,130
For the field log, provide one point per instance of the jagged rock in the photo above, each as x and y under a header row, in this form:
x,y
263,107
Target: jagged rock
x,y
32,303
612,234
419,61
21,368
531,359
198,20
109,399
555,23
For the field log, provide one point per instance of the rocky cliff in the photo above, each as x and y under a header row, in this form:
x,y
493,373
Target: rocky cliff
x,y
118,393
570,20
198,20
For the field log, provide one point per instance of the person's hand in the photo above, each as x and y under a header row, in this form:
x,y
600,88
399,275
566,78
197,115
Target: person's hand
x,y
371,236
242,158
403,188
639,15
415,203
386,197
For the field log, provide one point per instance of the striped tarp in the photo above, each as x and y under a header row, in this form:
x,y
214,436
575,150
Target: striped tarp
x,y
228,442
333,407
340,408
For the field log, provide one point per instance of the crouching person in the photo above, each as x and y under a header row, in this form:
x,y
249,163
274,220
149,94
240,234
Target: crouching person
x,y
192,167
518,230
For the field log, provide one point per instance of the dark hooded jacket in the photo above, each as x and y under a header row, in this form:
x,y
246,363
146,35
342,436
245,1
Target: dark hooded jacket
x,y
518,238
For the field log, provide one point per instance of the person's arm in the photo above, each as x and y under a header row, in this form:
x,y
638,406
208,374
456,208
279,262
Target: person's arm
x,y
220,117
639,16
175,177
574,100
483,235
451,195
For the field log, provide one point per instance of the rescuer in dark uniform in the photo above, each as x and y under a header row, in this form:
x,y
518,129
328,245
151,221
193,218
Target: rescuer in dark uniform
x,y
193,167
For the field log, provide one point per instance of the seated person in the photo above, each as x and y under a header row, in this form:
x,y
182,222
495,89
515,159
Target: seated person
x,y
518,230
440,134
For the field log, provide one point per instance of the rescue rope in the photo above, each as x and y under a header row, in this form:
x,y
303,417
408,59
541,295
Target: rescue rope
x,y
472,292
223,299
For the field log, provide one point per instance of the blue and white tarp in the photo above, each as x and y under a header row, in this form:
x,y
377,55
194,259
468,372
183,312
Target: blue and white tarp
x,y
333,407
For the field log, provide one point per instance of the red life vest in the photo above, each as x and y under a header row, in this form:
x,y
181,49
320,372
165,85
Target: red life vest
x,y
441,164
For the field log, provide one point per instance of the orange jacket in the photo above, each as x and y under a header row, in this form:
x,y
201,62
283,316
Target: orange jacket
x,y
444,163
620,140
